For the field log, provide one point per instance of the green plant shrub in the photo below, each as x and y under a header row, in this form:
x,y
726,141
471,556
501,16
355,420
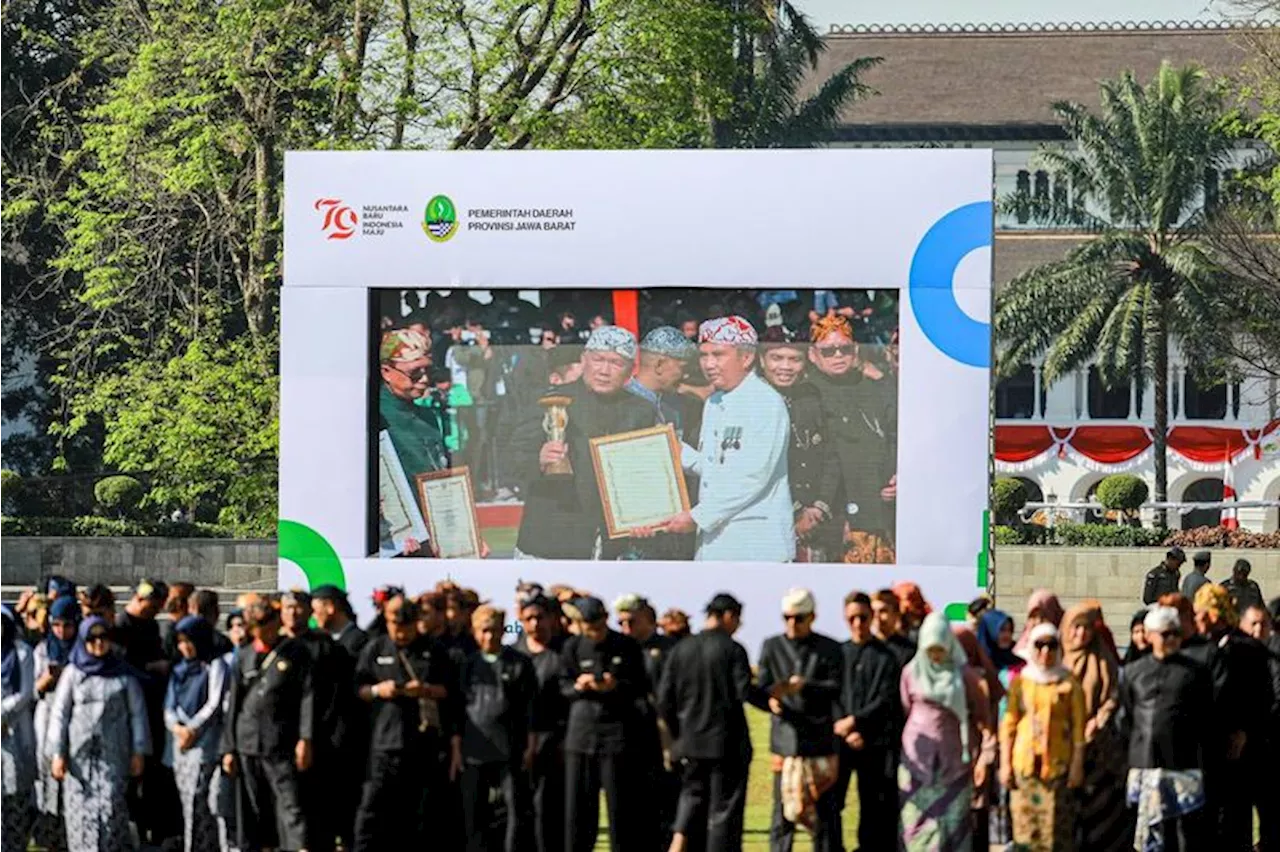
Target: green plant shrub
x,y
95,526
1107,535
1122,491
119,496
1008,496
10,489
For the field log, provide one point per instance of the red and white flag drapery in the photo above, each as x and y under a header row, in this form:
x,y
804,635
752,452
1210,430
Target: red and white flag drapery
x,y
1229,520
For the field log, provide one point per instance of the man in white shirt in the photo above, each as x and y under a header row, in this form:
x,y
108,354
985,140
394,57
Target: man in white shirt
x,y
744,506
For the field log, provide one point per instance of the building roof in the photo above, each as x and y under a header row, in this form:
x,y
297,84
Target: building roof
x,y
993,82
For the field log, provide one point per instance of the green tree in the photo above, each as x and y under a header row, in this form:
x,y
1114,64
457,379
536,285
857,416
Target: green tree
x,y
1146,274
717,75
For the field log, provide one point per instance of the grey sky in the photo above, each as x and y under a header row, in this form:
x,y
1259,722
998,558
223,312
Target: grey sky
x,y
823,13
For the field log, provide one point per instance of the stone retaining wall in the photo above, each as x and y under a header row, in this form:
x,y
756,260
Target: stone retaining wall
x,y
209,562
1113,575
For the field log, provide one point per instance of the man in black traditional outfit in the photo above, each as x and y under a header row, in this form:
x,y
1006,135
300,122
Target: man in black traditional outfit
x,y
539,616
706,680
1167,701
604,681
869,702
801,672
268,733
410,687
563,517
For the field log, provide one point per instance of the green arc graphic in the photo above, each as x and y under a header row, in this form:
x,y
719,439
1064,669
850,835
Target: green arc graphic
x,y
959,610
312,553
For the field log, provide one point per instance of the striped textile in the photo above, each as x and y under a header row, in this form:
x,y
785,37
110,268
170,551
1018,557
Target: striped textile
x,y
935,817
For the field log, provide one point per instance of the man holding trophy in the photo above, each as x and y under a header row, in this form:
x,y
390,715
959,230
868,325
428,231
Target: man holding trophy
x,y
563,517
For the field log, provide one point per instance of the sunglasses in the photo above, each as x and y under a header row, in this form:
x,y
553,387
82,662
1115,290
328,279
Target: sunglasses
x,y
1051,644
1171,634
95,637
414,376
835,351
795,617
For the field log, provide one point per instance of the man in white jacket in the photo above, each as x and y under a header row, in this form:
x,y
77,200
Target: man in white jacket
x,y
744,500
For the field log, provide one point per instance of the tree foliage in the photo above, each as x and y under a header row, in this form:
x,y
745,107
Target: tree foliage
x,y
1147,274
143,159
120,496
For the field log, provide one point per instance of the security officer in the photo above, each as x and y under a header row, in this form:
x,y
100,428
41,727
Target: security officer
x,y
498,688
604,681
1163,579
268,733
410,688
539,616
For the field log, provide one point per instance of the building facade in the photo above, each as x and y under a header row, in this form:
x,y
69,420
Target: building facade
x,y
992,87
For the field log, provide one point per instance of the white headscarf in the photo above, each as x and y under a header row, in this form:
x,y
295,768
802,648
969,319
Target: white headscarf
x,y
942,683
1033,671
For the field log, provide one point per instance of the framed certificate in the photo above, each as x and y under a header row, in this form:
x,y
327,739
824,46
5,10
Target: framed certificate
x,y
450,507
640,478
398,515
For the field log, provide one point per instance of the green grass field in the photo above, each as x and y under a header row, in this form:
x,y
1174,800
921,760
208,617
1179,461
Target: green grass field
x,y
760,797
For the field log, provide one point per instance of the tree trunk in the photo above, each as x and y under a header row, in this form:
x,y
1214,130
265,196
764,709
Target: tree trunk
x,y
408,74
257,302
1160,421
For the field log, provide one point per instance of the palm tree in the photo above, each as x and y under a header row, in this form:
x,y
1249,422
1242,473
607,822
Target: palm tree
x,y
775,49
1138,167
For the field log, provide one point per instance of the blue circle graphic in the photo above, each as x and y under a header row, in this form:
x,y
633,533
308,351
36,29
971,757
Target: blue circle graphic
x,y
933,297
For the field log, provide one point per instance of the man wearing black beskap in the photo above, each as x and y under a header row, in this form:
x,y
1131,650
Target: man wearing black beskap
x,y
868,702
605,682
800,670
410,686
706,680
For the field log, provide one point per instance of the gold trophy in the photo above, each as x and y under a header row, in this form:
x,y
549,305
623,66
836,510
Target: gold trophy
x,y
554,423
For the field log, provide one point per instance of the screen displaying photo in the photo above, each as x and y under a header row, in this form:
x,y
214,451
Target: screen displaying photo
x,y
730,425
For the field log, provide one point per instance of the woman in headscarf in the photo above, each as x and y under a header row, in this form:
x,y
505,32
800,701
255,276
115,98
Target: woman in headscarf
x,y
222,790
912,606
1138,644
1103,815
995,634
18,744
1042,747
51,659
985,763
1042,608
193,717
98,738
945,713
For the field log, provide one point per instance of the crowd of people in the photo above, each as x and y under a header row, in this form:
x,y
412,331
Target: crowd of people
x,y
790,437
293,728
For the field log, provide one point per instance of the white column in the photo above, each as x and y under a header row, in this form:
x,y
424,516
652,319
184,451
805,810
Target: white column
x,y
1037,412
1133,397
1177,388
1231,398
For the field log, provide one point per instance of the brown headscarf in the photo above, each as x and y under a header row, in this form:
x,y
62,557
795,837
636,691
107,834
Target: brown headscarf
x,y
1093,664
1044,604
979,660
